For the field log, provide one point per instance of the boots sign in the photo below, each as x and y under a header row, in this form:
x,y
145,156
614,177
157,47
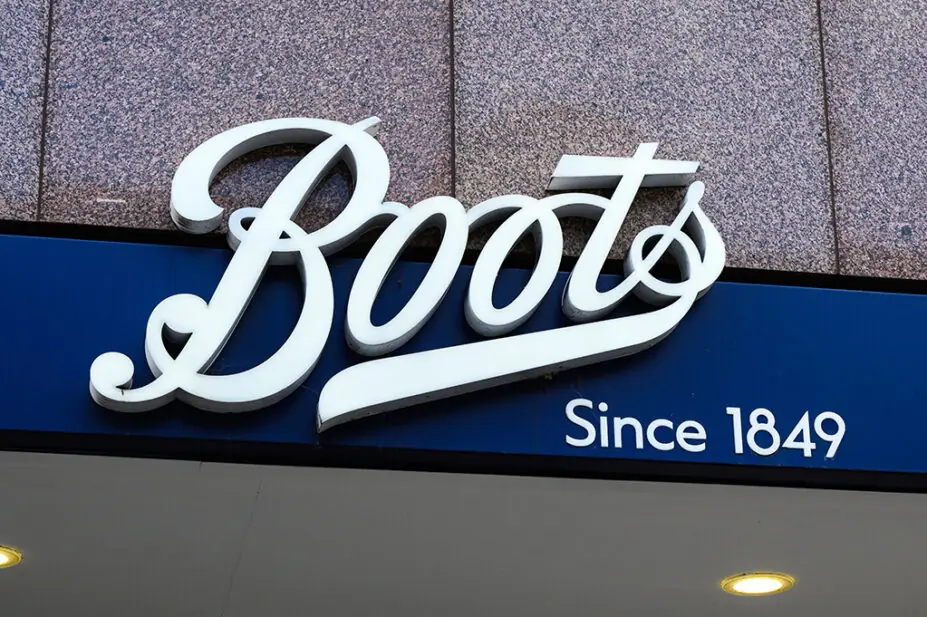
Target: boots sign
x,y
267,236
290,345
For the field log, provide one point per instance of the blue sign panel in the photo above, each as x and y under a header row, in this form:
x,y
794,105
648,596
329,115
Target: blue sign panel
x,y
754,375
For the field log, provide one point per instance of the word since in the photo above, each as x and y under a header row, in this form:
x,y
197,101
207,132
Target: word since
x,y
689,435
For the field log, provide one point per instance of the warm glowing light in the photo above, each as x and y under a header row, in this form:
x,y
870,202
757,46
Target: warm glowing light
x,y
9,557
758,583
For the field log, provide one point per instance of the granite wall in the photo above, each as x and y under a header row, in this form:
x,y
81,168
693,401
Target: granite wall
x,y
808,115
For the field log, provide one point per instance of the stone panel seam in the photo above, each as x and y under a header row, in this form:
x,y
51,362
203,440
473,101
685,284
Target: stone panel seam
x,y
44,127
453,94
827,136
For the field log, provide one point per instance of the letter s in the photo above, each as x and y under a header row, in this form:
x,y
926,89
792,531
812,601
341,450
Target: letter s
x,y
576,419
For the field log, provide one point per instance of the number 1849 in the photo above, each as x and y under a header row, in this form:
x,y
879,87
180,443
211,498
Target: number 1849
x,y
828,426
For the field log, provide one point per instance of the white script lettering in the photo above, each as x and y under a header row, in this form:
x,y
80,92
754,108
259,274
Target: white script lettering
x,y
268,236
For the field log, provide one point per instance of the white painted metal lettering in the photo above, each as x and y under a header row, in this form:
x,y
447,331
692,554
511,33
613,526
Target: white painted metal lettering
x,y
268,236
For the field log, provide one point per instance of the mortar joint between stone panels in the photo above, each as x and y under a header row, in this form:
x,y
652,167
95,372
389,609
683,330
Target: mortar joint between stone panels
x,y
827,138
43,130
453,94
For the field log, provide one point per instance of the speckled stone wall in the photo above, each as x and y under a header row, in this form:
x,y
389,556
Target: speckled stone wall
x,y
733,84
876,61
135,86
808,115
23,34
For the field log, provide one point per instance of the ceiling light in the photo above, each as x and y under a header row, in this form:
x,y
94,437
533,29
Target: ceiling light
x,y
9,557
758,583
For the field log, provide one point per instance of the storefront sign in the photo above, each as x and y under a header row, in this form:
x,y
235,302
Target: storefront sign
x,y
400,381
755,375
480,358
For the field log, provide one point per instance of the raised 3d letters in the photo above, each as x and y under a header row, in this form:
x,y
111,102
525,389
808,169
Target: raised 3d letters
x,y
272,238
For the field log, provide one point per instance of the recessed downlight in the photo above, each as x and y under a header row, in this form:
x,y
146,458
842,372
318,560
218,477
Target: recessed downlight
x,y
9,557
758,583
